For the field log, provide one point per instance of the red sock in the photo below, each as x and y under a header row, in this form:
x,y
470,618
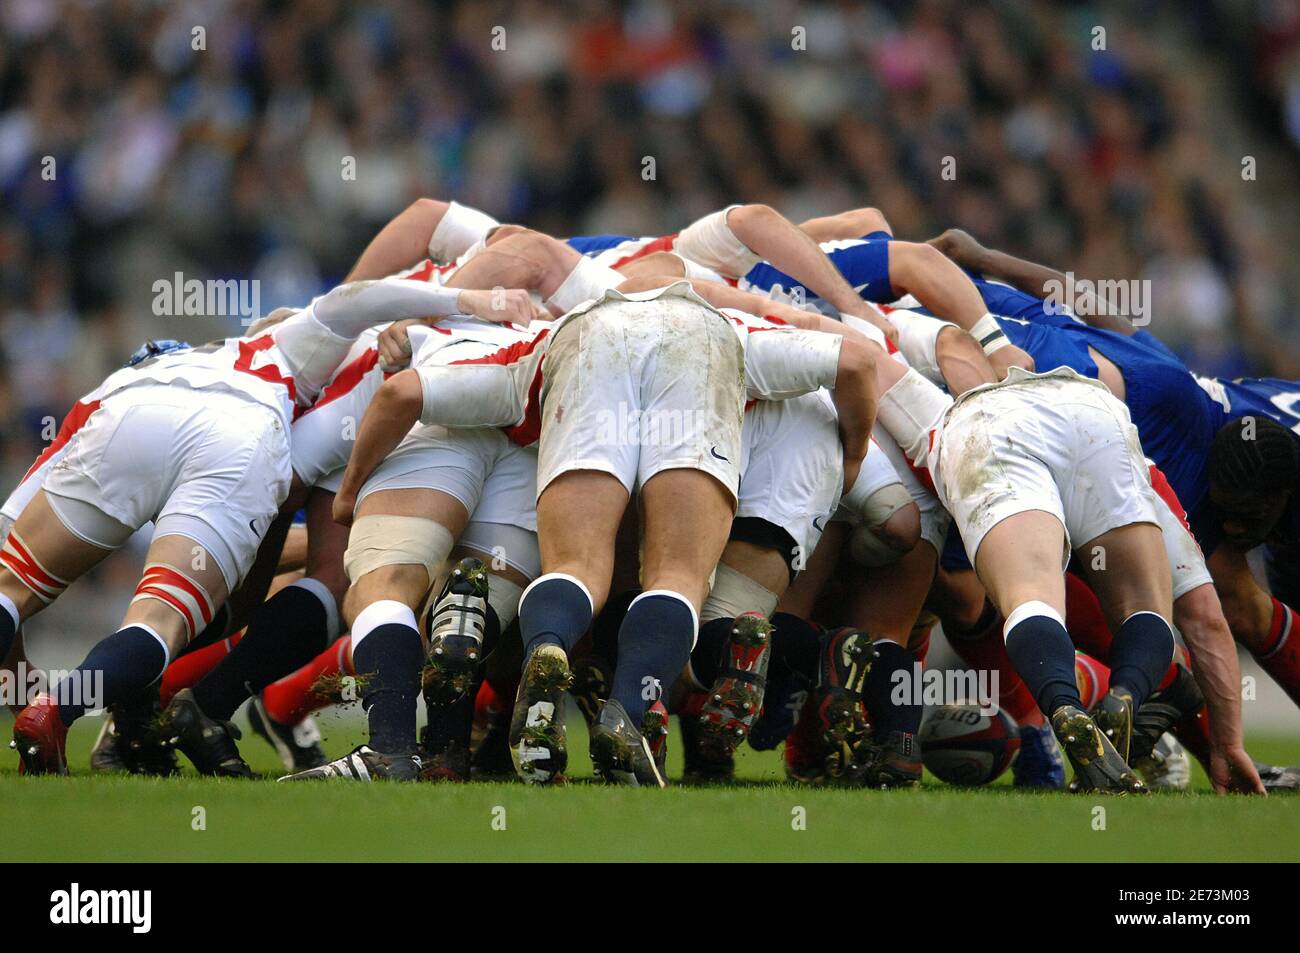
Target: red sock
x,y
983,648
1085,619
294,697
1281,654
1090,632
192,666
1093,678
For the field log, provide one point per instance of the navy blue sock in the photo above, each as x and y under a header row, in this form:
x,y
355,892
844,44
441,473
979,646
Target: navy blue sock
x,y
388,660
1041,651
790,676
8,626
286,632
117,668
706,657
893,710
654,642
555,610
1140,654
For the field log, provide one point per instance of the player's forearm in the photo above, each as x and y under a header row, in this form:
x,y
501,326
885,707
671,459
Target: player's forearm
x,y
1050,284
351,308
935,280
1219,675
390,416
401,243
854,396
772,237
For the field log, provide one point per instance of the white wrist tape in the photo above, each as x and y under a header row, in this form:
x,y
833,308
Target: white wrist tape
x,y
989,334
458,229
589,279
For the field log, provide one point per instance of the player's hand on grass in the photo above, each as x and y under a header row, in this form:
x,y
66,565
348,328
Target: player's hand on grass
x,y
395,345
501,305
1005,358
1232,770
961,247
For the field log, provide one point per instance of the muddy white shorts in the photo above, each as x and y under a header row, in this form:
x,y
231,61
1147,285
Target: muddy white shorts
x,y
494,479
1186,561
793,466
634,387
1054,442
205,464
321,439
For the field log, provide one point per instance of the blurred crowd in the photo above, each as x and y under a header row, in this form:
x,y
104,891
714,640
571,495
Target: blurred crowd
x,y
269,140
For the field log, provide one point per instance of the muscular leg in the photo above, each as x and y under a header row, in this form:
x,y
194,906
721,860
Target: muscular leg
x,y
1134,588
387,650
1019,564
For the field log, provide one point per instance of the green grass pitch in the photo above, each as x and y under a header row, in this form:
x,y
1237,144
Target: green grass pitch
x,y
95,818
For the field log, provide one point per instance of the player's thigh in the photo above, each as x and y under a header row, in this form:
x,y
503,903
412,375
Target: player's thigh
x,y
800,597
687,520
578,515
41,556
1127,567
1019,560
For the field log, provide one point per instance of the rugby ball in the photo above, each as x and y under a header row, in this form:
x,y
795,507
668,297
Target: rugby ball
x,y
961,744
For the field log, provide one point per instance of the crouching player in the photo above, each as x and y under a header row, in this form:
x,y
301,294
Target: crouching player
x,y
197,442
1031,469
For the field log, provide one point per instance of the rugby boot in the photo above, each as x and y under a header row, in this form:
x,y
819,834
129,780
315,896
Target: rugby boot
x,y
1097,765
131,740
538,746
591,679
1167,766
106,755
299,746
804,756
734,702
1278,778
363,763
704,763
893,760
445,741
1114,716
456,624
1164,709
620,753
41,738
208,743
1040,763
846,658
489,739
655,728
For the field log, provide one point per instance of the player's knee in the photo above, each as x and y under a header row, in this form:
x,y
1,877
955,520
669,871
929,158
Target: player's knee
x,y
752,217
902,531
174,603
864,221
